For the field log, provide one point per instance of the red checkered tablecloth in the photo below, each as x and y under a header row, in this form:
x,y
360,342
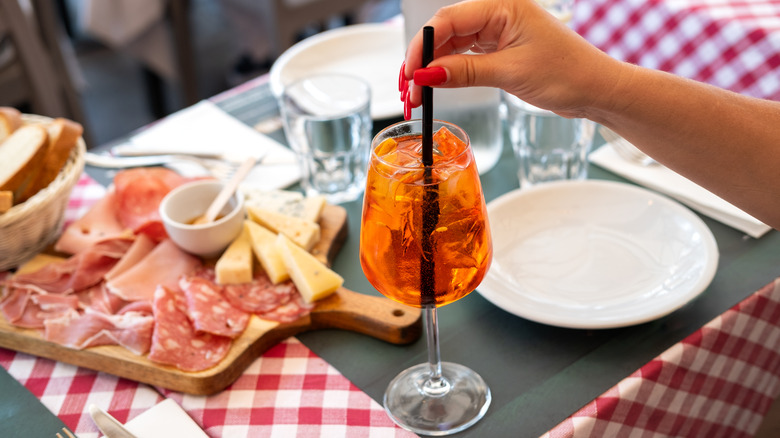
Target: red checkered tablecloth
x,y
287,392
718,382
732,44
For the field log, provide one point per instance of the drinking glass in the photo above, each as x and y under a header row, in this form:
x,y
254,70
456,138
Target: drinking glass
x,y
327,121
425,242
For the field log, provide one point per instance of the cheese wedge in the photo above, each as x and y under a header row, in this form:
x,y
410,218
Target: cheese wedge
x,y
304,233
286,202
235,264
313,279
264,246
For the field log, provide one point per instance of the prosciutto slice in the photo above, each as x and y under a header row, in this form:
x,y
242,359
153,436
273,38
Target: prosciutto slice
x,y
27,307
176,342
132,330
98,298
139,193
163,266
99,223
140,248
208,309
78,272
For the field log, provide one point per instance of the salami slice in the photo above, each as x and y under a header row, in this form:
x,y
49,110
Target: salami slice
x,y
260,295
290,311
176,342
139,193
208,309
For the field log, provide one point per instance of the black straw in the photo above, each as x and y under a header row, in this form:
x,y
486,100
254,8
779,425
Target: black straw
x,y
427,100
430,206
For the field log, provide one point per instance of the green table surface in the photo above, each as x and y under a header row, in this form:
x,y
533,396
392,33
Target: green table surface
x,y
539,374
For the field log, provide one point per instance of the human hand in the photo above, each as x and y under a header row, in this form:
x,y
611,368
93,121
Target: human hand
x,y
519,47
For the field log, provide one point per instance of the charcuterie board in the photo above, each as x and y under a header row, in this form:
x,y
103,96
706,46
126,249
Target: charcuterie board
x,y
375,316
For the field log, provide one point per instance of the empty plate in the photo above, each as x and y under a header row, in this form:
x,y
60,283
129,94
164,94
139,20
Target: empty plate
x,y
595,254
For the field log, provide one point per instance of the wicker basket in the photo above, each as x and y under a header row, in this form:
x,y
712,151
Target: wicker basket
x,y
28,228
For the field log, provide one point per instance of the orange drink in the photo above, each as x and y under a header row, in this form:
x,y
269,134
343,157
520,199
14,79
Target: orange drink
x,y
412,258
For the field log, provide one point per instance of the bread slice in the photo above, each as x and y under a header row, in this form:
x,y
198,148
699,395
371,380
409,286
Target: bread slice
x,y
21,154
10,121
63,135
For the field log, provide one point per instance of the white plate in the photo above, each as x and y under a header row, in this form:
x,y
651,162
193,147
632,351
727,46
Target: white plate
x,y
371,51
595,254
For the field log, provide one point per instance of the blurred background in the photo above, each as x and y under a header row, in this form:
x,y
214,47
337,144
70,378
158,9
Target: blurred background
x,y
125,63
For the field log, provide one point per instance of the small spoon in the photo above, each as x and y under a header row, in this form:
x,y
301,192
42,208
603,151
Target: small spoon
x,y
227,191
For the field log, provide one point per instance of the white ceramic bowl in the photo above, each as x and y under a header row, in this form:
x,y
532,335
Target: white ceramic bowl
x,y
188,201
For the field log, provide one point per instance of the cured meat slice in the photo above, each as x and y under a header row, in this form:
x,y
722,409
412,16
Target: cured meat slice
x,y
163,266
78,272
25,307
100,299
176,342
261,295
139,193
290,311
99,223
131,330
140,248
208,309
276,302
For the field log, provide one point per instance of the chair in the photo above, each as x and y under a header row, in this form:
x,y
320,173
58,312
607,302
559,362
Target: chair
x,y
40,68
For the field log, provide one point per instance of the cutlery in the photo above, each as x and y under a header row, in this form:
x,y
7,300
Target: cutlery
x,y
220,169
624,148
107,424
67,433
129,150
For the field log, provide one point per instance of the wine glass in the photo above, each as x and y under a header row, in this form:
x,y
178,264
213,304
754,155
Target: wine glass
x,y
425,242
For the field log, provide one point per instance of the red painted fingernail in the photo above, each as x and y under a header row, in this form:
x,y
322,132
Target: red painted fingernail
x,y
405,92
407,108
402,77
430,76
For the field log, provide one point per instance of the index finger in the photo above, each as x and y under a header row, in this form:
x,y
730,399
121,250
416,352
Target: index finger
x,y
457,29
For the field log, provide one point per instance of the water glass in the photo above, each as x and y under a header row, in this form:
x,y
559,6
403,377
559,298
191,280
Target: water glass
x,y
548,147
327,121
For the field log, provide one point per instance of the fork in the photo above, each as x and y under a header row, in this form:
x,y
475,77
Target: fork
x,y
67,433
624,148
220,169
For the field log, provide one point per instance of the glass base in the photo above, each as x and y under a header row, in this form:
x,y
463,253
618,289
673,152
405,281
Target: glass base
x,y
451,405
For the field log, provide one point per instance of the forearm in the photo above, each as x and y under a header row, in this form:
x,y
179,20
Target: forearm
x,y
725,142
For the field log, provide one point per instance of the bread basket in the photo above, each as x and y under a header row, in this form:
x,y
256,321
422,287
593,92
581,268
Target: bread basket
x,y
28,228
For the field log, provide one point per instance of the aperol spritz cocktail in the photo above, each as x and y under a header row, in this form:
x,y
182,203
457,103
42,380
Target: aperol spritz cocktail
x,y
425,242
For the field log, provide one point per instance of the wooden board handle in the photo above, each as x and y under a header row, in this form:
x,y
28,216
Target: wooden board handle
x,y
374,316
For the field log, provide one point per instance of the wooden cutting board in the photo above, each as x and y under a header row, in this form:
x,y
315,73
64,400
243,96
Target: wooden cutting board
x,y
375,316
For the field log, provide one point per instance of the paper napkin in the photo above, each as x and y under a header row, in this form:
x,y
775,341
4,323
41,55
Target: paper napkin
x,y
663,180
164,420
205,128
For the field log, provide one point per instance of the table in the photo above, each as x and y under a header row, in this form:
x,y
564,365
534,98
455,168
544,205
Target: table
x,y
540,375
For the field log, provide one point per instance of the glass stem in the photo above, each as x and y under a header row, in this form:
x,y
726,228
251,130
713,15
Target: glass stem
x,y
436,384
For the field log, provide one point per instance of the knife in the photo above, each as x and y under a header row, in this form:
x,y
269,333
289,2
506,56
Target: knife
x,y
107,424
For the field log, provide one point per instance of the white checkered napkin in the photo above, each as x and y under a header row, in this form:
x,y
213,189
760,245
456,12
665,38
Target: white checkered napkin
x,y
719,381
733,44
